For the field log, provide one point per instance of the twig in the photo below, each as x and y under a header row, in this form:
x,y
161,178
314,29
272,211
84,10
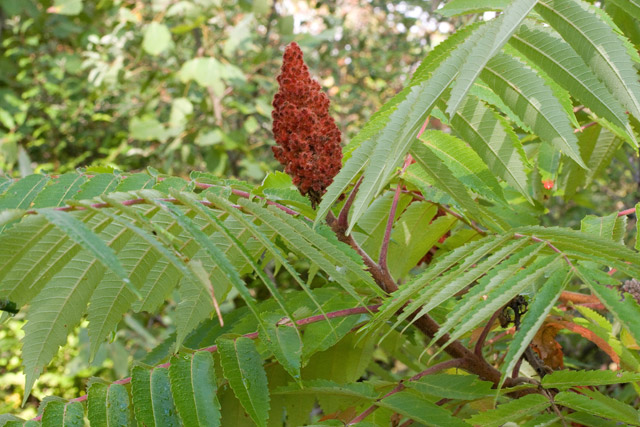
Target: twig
x,y
550,245
629,211
254,335
453,363
581,128
485,333
343,216
384,249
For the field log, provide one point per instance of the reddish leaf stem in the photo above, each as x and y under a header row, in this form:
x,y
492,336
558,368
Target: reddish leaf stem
x,y
627,212
384,249
485,333
343,216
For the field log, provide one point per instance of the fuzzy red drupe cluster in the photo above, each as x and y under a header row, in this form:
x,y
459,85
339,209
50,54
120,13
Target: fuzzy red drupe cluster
x,y
307,136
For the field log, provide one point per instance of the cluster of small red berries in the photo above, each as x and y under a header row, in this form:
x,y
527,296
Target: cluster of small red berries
x,y
307,136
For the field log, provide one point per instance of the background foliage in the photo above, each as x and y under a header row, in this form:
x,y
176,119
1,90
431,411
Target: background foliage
x,y
531,125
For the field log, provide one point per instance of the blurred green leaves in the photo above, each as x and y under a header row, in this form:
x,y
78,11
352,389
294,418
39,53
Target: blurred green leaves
x,y
185,86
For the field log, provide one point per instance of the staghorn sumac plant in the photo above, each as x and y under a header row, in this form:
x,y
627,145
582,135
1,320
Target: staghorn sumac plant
x,y
288,315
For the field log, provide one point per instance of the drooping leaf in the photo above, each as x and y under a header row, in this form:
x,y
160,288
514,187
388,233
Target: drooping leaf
x,y
141,395
568,379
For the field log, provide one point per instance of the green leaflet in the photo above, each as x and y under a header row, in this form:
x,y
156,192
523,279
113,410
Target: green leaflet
x,y
586,246
216,255
485,46
527,95
98,185
537,312
632,7
141,395
58,413
59,190
108,405
605,147
384,150
164,411
284,342
464,163
481,91
582,418
323,239
623,307
242,366
83,236
61,304
511,411
474,250
599,46
297,238
413,405
472,310
153,402
448,386
446,181
463,7
357,389
492,138
568,379
21,193
595,403
472,269
414,235
606,227
193,385
558,59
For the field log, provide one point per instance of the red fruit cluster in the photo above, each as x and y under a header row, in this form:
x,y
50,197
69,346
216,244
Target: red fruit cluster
x,y
307,136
